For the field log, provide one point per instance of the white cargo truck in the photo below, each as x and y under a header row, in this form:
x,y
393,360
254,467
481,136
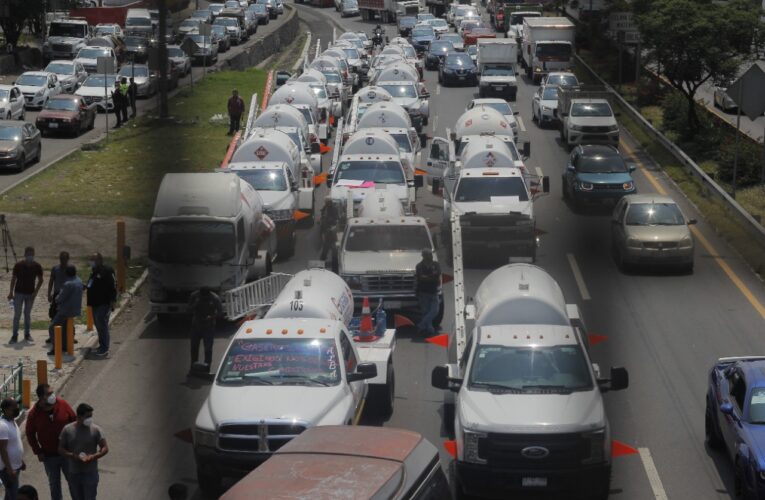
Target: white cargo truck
x,y
304,364
497,59
548,45
66,36
208,229
528,411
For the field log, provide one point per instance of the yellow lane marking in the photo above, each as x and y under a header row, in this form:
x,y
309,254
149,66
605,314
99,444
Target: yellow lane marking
x,y
702,239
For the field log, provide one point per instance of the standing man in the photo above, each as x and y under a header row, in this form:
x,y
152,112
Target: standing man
x,y
11,448
428,274
25,283
329,220
205,307
132,95
82,443
124,90
235,111
102,296
68,304
119,102
55,282
45,421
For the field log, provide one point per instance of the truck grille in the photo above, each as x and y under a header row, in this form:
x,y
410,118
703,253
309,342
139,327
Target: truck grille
x,y
388,283
595,130
660,244
608,187
61,47
504,450
246,437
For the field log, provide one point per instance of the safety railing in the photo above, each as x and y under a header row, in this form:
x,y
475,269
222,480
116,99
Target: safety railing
x,y
302,61
12,381
250,298
253,114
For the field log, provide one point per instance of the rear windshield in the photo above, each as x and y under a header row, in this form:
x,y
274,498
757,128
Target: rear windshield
x,y
387,238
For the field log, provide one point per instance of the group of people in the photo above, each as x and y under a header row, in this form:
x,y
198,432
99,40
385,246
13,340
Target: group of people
x,y
124,94
65,290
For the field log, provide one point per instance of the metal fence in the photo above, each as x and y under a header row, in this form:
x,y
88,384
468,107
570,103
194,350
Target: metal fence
x,y
11,385
248,299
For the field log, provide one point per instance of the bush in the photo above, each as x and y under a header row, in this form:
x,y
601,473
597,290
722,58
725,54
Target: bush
x,y
749,162
675,113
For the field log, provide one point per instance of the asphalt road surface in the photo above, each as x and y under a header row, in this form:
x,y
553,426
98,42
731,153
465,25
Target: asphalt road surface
x,y
666,329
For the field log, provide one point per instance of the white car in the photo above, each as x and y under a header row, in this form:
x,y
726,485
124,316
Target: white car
x,y
439,26
179,59
503,107
95,90
561,79
102,29
544,105
188,26
38,87
88,57
11,103
69,73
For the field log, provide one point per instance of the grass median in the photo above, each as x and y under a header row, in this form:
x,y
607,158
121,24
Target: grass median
x,y
122,177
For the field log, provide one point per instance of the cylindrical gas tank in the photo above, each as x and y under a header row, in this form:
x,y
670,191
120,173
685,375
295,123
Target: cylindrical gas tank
x,y
314,293
482,120
520,294
294,93
385,114
486,152
373,93
371,141
397,72
281,115
267,144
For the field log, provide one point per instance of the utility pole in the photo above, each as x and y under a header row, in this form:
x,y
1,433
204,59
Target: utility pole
x,y
163,111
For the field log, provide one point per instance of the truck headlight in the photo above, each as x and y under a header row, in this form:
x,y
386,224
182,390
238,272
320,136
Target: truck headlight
x,y
634,243
613,128
470,442
585,186
597,446
205,439
576,127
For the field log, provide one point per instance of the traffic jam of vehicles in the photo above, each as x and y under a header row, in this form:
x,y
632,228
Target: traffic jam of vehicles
x,y
523,398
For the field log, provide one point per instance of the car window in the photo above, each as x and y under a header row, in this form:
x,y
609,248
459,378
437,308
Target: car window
x,y
349,357
757,406
738,390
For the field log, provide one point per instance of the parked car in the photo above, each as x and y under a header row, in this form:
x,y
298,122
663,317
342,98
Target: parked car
x,y
98,89
11,103
179,59
206,52
457,68
723,101
597,174
69,73
220,36
146,81
19,144
651,229
67,114
215,9
102,29
203,15
37,87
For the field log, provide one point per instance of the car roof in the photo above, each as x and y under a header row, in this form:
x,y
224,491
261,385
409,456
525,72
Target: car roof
x,y
36,73
599,150
649,198
754,371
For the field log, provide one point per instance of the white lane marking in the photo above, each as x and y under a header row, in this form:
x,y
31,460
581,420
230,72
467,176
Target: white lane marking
x,y
520,123
539,171
438,89
578,277
435,125
653,474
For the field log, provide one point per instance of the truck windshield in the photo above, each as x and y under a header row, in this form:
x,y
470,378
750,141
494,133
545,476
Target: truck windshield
x,y
486,188
458,59
531,369
554,51
264,180
387,239
197,243
403,142
654,214
381,172
138,21
591,109
71,30
281,362
498,71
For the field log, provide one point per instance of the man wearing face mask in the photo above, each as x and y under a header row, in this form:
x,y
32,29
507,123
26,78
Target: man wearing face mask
x,y
69,304
45,421
82,443
11,448
102,296
25,283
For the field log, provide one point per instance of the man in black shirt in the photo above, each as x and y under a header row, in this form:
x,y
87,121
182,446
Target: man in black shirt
x,y
428,275
205,307
329,220
102,297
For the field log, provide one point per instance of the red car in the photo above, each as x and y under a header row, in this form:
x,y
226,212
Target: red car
x,y
66,113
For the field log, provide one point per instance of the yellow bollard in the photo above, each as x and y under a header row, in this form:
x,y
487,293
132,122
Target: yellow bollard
x,y
42,371
57,346
70,336
26,393
121,267
89,316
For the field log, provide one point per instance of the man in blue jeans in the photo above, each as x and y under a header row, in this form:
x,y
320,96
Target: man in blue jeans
x,y
428,275
102,296
25,283
68,304
82,443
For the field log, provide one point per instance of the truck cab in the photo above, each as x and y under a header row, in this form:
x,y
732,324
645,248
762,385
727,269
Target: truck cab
x,y
513,21
66,36
586,116
496,68
291,121
320,370
529,415
548,45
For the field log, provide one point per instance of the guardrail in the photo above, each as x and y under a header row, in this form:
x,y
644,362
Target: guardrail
x,y
251,116
267,91
302,61
754,228
11,385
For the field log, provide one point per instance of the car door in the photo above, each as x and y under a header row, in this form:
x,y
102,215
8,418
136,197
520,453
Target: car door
x,y
730,425
30,144
16,100
617,223
358,388
571,169
438,157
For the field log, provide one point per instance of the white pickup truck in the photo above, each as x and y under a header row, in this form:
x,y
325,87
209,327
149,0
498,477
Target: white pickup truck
x,y
586,116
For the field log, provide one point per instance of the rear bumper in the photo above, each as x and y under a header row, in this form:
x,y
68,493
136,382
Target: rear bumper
x,y
610,138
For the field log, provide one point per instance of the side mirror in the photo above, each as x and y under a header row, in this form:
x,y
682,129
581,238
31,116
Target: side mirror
x,y
439,377
692,222
545,184
571,168
631,168
619,380
363,371
726,408
293,187
526,149
315,148
425,94
418,181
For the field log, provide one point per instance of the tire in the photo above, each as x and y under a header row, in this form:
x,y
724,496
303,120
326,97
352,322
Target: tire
x,y
739,492
209,482
382,396
21,164
38,157
712,430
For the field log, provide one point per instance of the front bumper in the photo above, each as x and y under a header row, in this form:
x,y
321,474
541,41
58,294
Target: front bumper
x,y
34,101
661,256
494,237
503,90
601,196
576,137
585,482
8,161
466,78
226,463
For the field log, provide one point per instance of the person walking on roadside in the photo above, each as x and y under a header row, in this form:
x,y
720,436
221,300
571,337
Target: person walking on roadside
x,y
205,307
119,102
102,296
235,111
45,421
328,224
428,275
68,303
11,448
132,95
82,443
25,283
55,282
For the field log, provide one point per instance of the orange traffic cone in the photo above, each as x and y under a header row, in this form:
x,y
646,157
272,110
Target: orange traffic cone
x,y
366,329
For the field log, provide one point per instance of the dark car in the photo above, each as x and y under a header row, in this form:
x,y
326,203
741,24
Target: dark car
x,y
66,114
457,68
405,25
422,36
597,174
437,53
19,144
137,48
273,11
260,11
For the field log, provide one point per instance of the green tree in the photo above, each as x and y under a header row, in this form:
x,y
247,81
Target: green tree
x,y
697,41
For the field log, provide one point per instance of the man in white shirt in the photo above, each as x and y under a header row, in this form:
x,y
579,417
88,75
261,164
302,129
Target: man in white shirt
x,y
11,448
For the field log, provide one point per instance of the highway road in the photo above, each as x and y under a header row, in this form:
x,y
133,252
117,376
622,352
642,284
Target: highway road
x,y
666,329
54,147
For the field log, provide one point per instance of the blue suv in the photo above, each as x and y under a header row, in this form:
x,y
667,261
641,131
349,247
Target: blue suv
x,y
597,174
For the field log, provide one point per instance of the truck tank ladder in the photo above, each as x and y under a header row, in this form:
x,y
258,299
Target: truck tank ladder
x,y
254,297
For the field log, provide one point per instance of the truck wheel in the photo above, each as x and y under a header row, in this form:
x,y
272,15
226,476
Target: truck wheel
x,y
286,245
383,395
209,482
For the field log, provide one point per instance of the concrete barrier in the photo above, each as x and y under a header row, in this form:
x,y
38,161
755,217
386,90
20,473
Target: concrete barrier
x,y
267,45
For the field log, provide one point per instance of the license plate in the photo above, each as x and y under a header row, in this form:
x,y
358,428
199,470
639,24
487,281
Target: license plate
x,y
497,88
534,482
53,125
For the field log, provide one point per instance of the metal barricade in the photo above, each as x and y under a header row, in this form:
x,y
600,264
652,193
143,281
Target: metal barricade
x,y
252,297
11,385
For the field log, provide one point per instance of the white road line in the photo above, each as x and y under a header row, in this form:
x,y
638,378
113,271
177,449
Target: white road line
x,y
438,89
653,474
578,277
435,125
539,171
520,123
